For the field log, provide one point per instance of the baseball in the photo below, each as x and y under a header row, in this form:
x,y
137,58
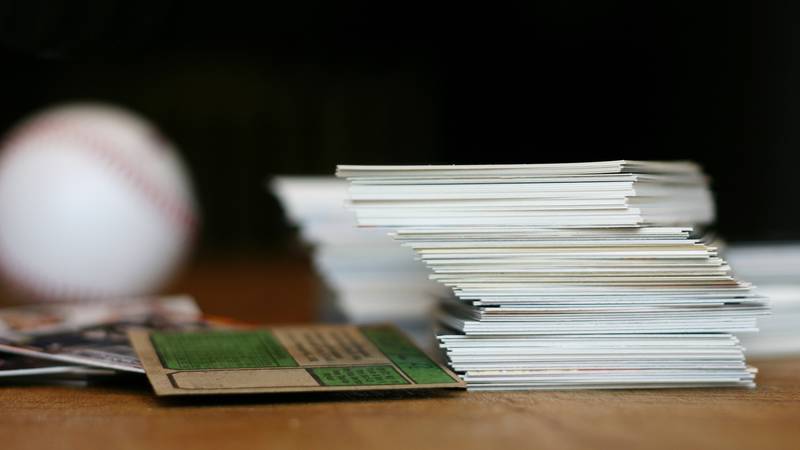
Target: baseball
x,y
93,204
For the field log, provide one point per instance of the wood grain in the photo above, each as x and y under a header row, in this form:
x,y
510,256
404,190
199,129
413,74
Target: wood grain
x,y
125,415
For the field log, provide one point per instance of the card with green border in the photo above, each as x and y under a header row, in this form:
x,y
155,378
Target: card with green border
x,y
306,358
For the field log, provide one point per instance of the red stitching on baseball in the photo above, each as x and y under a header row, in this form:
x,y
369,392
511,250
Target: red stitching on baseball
x,y
107,152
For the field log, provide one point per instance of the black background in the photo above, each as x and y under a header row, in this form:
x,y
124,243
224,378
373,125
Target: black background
x,y
299,87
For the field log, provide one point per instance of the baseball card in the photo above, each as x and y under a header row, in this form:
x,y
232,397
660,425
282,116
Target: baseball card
x,y
308,358
93,334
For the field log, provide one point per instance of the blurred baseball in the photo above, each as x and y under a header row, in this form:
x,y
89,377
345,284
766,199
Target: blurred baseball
x,y
93,204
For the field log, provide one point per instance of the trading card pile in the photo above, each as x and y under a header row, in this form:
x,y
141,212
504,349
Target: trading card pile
x,y
370,278
775,267
570,276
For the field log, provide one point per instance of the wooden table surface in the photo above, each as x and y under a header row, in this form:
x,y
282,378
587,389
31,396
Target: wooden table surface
x,y
123,413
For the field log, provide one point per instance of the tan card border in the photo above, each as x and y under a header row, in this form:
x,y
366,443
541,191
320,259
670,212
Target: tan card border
x,y
160,378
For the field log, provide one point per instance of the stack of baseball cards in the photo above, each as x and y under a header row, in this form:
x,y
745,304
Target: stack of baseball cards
x,y
369,278
570,276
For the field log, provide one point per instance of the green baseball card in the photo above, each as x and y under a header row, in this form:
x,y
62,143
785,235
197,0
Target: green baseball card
x,y
287,359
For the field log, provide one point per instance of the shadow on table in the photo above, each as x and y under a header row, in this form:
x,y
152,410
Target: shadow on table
x,y
304,397
138,384
124,381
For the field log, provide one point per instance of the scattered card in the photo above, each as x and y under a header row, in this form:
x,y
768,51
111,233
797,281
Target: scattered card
x,y
92,334
18,366
310,358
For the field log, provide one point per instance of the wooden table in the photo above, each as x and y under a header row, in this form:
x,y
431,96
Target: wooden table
x,y
124,414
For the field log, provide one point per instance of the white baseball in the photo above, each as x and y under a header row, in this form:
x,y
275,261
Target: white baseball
x,y
93,204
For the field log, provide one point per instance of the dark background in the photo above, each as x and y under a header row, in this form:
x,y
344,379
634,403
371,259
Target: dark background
x,y
298,87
